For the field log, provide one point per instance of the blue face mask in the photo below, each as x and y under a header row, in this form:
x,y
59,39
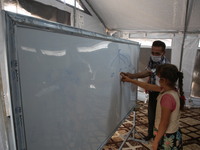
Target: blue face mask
x,y
156,58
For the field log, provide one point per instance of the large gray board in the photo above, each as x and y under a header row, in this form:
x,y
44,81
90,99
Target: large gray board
x,y
65,84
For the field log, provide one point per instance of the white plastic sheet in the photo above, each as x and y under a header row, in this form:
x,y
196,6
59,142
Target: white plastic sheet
x,y
189,53
3,135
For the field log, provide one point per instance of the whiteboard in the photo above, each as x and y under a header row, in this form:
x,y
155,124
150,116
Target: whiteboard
x,y
68,84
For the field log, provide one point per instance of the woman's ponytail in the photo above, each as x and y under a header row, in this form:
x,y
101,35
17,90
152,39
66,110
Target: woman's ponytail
x,y
180,86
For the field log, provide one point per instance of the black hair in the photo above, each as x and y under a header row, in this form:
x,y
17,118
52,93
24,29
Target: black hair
x,y
172,74
159,44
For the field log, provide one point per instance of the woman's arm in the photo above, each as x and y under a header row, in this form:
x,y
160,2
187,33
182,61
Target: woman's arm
x,y
142,74
164,122
146,86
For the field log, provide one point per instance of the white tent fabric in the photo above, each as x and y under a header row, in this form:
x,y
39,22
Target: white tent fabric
x,y
189,53
145,15
3,136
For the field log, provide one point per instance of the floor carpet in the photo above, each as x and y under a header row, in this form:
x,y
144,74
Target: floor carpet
x,y
190,127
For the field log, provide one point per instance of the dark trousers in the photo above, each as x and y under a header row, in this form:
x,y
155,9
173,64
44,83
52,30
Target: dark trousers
x,y
152,111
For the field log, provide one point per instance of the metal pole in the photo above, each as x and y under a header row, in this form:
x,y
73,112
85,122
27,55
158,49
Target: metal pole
x,y
187,17
74,13
131,131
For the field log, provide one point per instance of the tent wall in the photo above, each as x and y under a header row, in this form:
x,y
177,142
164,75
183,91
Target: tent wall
x,y
188,60
195,86
3,135
6,118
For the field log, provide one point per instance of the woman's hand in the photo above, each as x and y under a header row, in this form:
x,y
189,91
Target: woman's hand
x,y
127,74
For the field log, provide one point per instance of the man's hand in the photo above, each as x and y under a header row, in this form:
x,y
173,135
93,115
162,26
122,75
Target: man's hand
x,y
124,77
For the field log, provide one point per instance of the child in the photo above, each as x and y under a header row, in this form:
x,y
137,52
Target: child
x,y
169,103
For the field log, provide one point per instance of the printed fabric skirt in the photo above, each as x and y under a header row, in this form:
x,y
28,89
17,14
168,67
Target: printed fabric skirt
x,y
170,141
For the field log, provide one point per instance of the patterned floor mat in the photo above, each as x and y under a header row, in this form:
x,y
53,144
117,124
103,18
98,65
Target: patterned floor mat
x,y
190,127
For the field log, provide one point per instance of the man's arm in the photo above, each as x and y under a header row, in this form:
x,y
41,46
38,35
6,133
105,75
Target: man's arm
x,y
142,74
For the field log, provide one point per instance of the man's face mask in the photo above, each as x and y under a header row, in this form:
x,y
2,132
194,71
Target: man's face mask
x,y
156,58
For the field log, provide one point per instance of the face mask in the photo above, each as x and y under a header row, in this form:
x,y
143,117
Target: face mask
x,y
156,58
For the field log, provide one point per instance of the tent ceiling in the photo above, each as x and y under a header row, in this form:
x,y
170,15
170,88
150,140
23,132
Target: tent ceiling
x,y
148,15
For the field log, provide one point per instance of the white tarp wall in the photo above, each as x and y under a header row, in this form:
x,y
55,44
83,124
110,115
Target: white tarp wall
x,y
3,135
5,105
188,59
